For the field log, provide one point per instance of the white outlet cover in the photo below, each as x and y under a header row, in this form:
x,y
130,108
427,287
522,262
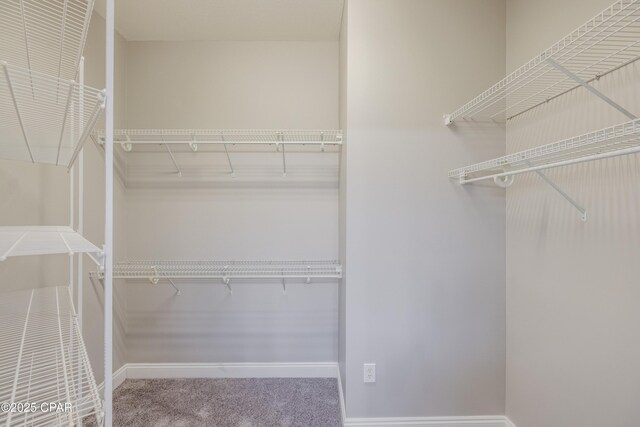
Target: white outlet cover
x,y
369,372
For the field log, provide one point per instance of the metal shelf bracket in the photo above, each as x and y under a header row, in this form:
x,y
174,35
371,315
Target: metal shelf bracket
x,y
591,89
227,283
545,178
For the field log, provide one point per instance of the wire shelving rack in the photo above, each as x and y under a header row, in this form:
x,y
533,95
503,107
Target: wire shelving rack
x,y
43,359
613,141
603,44
46,116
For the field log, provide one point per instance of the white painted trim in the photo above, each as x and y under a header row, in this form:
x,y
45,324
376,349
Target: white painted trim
x,y
508,422
231,370
480,421
118,378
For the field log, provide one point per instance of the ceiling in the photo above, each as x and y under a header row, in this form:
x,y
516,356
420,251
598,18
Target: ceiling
x,y
241,20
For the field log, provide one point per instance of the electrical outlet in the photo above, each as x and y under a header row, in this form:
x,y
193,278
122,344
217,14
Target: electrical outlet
x,y
369,372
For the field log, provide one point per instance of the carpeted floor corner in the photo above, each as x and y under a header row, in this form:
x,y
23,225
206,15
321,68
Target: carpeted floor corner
x,y
228,402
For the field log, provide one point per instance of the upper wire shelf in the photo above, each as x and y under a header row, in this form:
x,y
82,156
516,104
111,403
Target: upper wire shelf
x,y
613,141
44,119
602,45
45,36
42,240
43,360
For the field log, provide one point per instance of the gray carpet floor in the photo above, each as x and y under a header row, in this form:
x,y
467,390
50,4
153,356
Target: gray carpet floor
x,y
238,402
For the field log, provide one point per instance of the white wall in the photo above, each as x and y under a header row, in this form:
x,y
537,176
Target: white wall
x,y
39,195
572,287
233,85
424,256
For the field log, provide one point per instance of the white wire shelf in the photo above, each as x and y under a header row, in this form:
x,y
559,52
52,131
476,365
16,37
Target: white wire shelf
x,y
42,240
155,269
602,45
188,137
44,36
41,116
613,141
43,359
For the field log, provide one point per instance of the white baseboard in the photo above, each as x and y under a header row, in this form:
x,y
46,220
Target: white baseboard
x,y
231,370
482,421
118,378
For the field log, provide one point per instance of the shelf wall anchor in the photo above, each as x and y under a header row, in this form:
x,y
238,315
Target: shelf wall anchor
x,y
127,146
156,276
193,144
591,89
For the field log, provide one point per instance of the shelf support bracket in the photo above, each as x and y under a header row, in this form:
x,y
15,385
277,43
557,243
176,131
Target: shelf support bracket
x,y
233,172
15,105
227,283
545,178
174,286
284,162
591,89
72,86
173,159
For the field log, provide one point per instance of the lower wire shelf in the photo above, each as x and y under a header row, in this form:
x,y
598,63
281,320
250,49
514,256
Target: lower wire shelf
x,y
43,361
227,269
618,140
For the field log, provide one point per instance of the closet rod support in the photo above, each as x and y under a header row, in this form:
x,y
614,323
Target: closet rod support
x,y
591,89
127,146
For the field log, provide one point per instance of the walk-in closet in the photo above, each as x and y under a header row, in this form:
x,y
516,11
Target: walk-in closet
x,y
319,213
